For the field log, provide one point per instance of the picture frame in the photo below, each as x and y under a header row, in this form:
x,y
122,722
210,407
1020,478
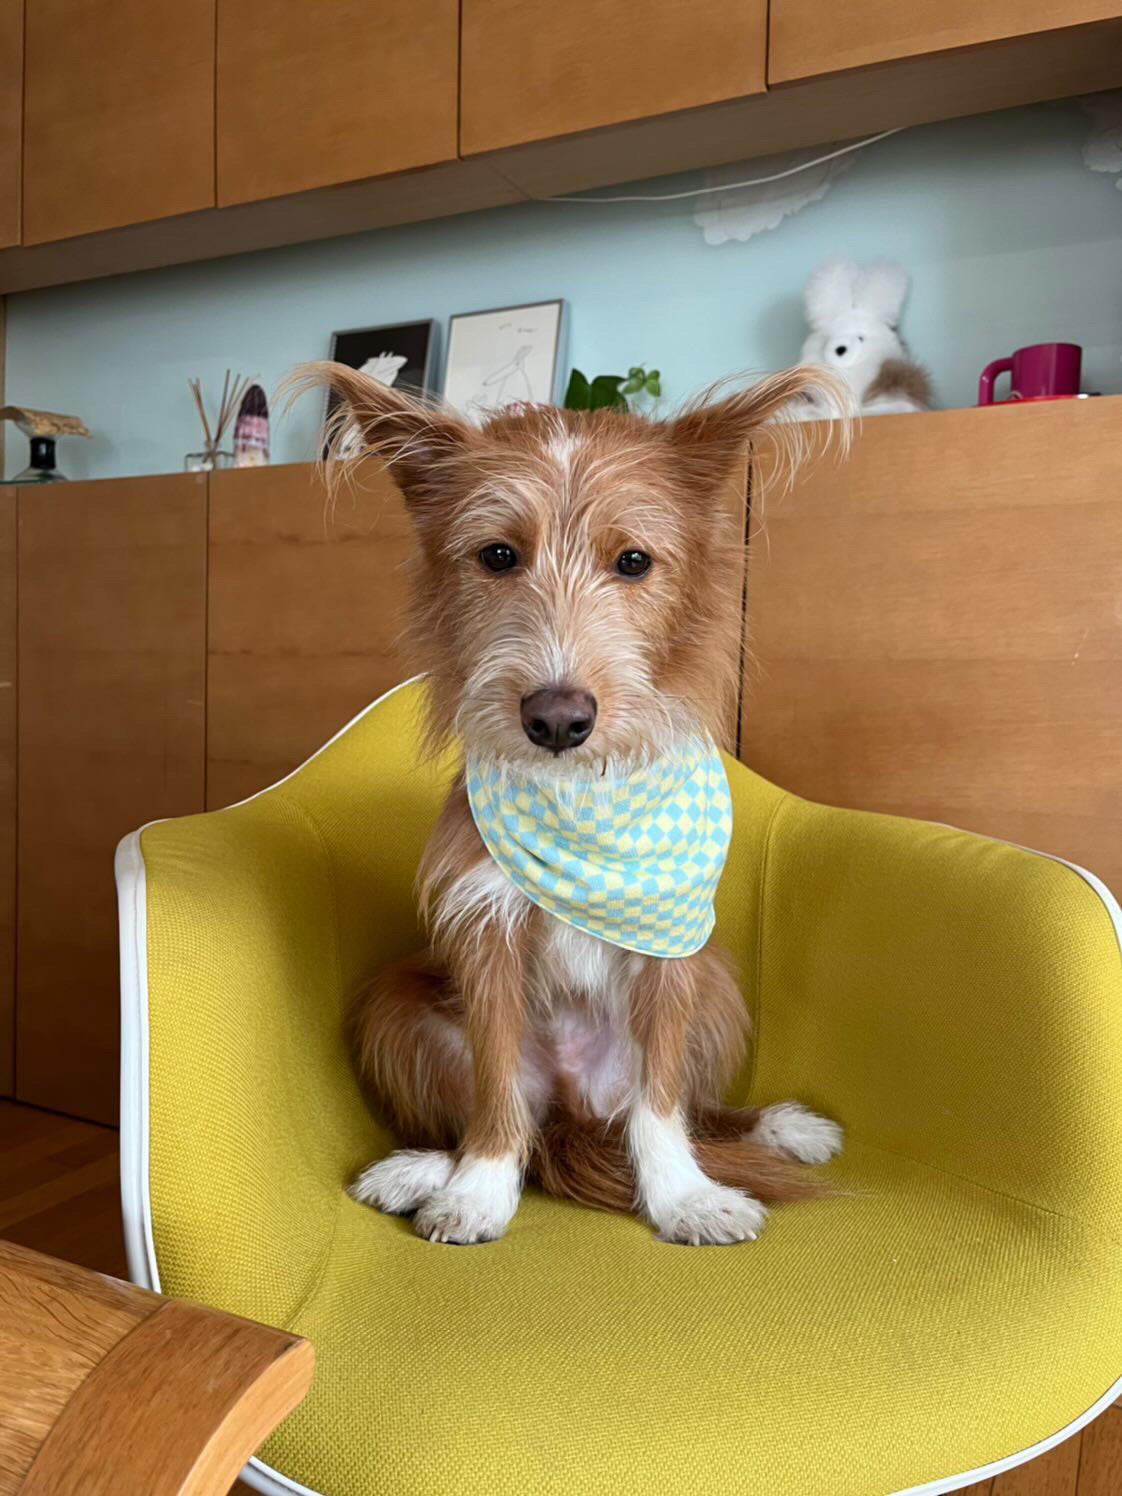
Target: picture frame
x,y
399,354
504,356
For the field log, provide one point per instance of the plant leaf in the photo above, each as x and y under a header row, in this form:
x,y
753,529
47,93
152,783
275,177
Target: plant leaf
x,y
633,385
654,383
578,394
605,393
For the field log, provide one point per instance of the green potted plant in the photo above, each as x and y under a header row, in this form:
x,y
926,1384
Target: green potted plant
x,y
611,391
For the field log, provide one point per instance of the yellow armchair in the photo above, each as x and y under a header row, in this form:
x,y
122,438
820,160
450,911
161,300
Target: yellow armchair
x,y
951,1308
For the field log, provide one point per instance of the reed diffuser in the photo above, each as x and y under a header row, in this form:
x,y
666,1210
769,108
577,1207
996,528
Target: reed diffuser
x,y
213,455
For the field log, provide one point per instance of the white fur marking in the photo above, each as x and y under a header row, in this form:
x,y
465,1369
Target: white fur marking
x,y
676,1195
403,1181
791,1128
477,1203
483,896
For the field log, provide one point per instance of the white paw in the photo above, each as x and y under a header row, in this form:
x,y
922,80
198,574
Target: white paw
x,y
477,1204
712,1217
792,1129
404,1180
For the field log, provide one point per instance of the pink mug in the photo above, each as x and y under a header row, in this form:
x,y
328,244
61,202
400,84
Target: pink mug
x,y
1042,371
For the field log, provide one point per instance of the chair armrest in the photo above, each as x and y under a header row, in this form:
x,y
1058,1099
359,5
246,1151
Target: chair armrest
x,y
106,1388
947,997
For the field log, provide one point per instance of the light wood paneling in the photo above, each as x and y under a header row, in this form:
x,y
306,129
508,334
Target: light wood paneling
x,y
118,113
11,119
534,69
349,90
911,91
383,201
808,38
7,787
1053,1474
1100,1469
937,632
305,610
112,618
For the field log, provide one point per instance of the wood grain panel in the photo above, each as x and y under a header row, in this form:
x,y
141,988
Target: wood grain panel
x,y
808,38
305,612
936,628
7,788
11,118
1053,1474
911,91
118,114
1100,1468
112,661
354,90
534,69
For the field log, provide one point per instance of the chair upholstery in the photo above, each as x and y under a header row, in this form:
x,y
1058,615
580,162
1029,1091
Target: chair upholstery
x,y
956,1299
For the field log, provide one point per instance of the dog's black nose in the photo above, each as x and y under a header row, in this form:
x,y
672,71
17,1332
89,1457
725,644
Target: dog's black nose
x,y
558,717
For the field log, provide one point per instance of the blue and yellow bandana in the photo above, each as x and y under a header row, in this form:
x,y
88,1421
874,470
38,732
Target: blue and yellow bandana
x,y
634,860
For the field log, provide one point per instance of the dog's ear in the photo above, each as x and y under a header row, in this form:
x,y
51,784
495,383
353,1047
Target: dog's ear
x,y
416,438
711,436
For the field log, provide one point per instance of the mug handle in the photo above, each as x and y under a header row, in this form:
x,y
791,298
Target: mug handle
x,y
989,376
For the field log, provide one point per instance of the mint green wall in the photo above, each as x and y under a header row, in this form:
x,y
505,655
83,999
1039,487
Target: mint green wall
x,y
1008,236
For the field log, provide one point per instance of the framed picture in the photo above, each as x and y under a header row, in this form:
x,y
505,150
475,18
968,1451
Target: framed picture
x,y
505,356
400,355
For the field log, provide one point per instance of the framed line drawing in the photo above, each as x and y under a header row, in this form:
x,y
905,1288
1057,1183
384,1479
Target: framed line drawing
x,y
510,355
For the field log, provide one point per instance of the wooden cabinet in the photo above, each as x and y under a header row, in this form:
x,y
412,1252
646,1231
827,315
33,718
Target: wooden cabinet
x,y
935,630
11,118
534,69
808,38
315,95
306,606
112,662
7,787
118,113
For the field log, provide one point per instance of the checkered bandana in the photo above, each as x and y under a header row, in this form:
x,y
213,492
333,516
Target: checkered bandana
x,y
634,861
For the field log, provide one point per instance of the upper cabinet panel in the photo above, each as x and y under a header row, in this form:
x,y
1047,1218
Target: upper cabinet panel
x,y
118,114
310,96
11,117
534,68
809,39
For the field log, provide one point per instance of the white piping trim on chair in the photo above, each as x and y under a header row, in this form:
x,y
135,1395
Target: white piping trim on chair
x,y
135,1138
136,1201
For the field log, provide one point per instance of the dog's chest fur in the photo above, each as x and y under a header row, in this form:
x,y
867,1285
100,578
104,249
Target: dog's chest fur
x,y
579,991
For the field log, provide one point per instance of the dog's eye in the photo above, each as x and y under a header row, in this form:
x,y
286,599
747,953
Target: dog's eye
x,y
633,563
499,557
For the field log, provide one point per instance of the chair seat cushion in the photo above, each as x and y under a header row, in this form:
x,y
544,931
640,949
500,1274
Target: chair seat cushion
x,y
907,1328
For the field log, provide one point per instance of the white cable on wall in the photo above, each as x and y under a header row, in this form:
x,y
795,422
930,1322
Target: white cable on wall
x,y
775,176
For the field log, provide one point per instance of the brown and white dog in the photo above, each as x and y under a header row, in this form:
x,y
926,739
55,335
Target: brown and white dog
x,y
576,604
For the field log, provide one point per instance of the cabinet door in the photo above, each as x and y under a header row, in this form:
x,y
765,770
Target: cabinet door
x,y
309,96
7,786
306,606
118,114
808,38
934,628
11,118
534,68
112,662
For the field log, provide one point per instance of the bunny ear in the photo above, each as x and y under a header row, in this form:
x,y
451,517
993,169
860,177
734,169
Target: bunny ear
x,y
880,289
829,293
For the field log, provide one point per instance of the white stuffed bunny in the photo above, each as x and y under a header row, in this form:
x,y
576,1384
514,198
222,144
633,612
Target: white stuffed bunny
x,y
853,313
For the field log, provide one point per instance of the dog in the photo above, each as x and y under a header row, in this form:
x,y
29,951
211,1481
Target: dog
x,y
576,606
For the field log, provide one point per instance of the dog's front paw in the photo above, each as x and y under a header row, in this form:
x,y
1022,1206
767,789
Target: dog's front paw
x,y
403,1181
477,1205
713,1217
791,1128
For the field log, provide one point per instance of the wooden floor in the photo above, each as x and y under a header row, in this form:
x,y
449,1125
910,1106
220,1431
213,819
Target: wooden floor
x,y
58,1194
